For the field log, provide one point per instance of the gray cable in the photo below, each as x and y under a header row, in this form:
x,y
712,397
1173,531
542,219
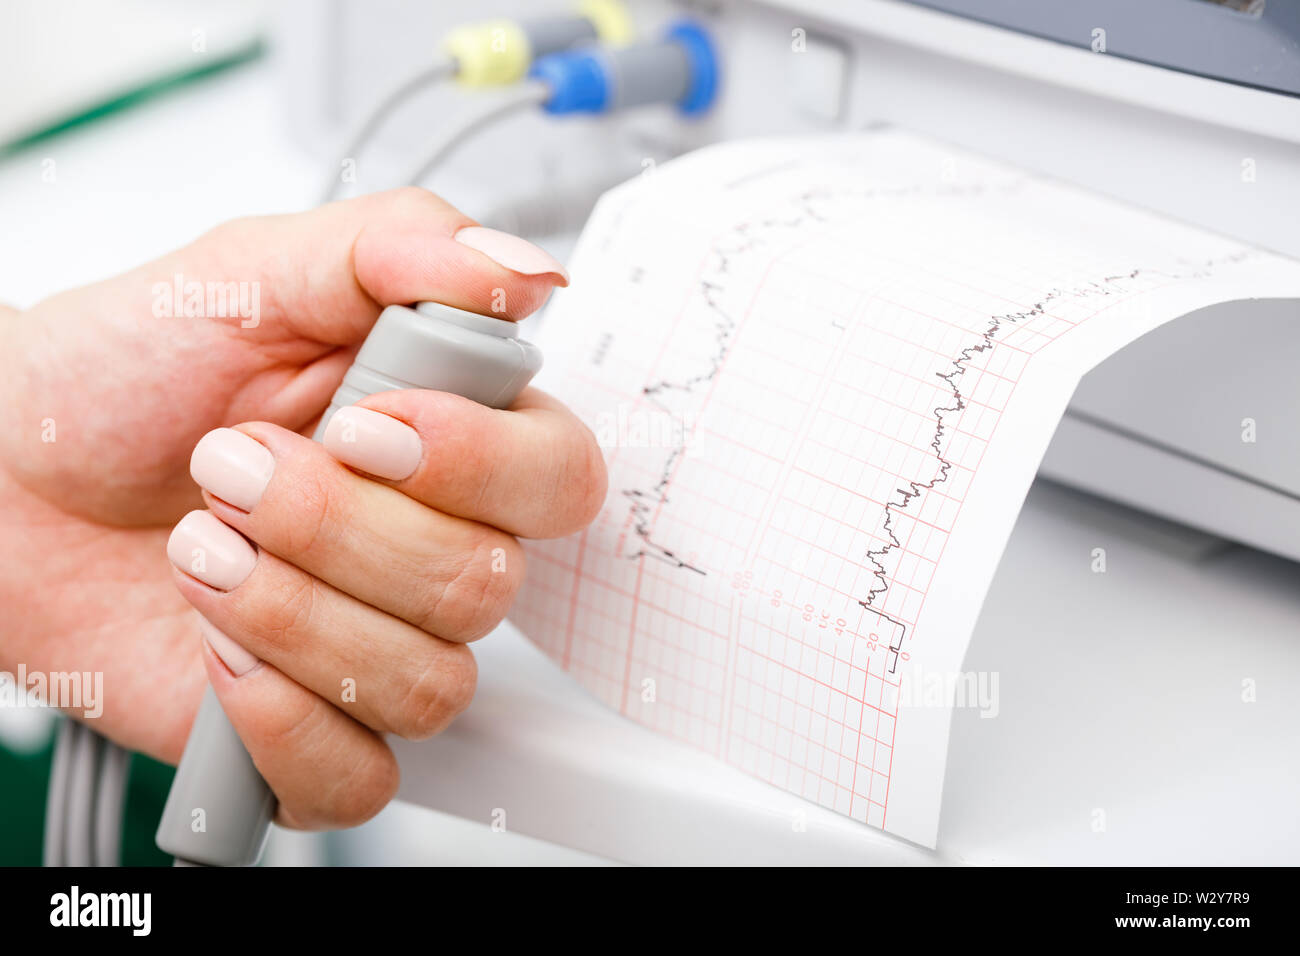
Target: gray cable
x,y
56,802
79,837
110,798
524,95
435,72
83,809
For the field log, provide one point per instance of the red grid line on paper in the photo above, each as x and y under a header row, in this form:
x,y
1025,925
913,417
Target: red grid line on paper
x,y
810,472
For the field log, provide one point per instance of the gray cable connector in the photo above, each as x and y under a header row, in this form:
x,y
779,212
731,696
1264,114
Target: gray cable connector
x,y
219,809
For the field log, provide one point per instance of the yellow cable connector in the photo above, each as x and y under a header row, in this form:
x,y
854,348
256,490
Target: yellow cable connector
x,y
489,54
609,17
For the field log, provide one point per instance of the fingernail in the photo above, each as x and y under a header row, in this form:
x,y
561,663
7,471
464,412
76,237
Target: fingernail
x,y
232,466
373,442
237,660
515,254
204,548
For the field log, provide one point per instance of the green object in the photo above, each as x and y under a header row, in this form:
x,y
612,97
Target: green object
x,y
145,795
26,779
116,104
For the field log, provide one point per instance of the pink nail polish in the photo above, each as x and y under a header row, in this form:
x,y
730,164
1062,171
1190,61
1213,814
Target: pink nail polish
x,y
373,442
515,254
232,466
237,660
204,548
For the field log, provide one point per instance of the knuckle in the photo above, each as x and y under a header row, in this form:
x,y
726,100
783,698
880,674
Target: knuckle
x,y
443,689
480,589
289,727
285,615
311,531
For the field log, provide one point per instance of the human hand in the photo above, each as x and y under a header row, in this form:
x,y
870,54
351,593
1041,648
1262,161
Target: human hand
x,y
357,578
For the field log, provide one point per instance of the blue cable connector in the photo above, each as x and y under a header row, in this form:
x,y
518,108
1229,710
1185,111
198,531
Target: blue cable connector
x,y
579,81
698,46
681,69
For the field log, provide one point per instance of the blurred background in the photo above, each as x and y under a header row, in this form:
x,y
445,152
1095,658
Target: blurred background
x,y
148,121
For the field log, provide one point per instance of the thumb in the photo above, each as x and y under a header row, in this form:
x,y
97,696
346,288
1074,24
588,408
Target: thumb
x,y
133,390
324,275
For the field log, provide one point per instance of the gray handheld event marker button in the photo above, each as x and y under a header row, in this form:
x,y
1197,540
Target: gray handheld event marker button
x,y
429,346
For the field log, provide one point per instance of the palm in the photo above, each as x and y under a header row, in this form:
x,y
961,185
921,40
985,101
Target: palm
x,y
110,478
107,606
107,429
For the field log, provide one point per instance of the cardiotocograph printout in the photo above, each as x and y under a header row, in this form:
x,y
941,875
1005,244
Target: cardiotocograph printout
x,y
823,372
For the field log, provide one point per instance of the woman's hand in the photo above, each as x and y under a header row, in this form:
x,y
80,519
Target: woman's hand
x,y
336,585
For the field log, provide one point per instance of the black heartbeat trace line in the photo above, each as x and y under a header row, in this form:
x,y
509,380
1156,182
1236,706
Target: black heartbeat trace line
x,y
643,502
748,236
914,489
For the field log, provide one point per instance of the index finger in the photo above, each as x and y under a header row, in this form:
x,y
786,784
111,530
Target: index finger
x,y
534,470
